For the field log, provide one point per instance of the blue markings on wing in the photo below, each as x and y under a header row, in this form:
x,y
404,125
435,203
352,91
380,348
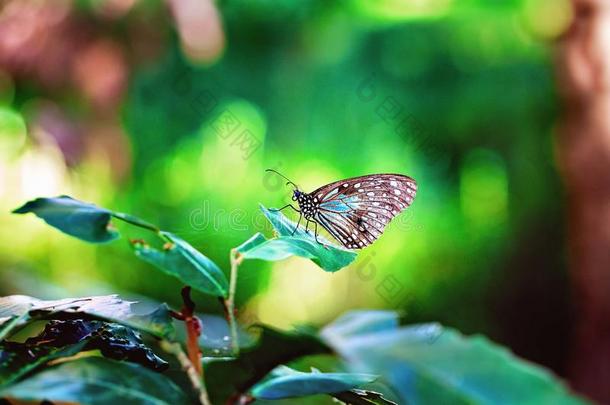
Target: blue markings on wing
x,y
341,203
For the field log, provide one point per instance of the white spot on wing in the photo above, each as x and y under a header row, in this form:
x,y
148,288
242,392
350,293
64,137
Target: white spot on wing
x,y
332,193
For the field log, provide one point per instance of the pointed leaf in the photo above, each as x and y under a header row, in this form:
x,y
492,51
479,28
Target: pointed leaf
x,y
430,364
16,310
79,219
186,263
251,243
326,255
289,383
98,381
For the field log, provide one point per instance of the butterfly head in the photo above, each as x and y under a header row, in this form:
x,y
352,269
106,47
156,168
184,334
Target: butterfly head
x,y
297,194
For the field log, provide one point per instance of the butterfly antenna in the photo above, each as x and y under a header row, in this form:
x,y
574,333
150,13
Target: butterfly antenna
x,y
289,181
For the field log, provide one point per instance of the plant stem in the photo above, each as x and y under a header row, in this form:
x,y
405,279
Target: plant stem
x,y
193,330
236,260
196,380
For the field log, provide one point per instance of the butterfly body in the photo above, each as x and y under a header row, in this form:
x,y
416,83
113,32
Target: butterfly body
x,y
356,211
307,203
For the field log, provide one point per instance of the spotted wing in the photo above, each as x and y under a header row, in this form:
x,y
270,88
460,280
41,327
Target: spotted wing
x,y
356,211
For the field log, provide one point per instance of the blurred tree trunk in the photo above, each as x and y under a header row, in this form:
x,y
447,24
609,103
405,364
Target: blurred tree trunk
x,y
584,156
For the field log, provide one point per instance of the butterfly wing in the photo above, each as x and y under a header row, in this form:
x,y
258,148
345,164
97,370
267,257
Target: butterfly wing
x,y
356,211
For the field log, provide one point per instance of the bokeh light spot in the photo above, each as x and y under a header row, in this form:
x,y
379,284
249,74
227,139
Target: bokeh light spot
x,y
12,132
484,188
547,18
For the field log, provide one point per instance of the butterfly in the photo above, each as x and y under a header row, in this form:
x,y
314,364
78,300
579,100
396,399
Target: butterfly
x,y
354,211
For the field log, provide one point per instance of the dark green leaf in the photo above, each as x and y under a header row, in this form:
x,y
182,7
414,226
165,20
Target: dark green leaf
x,y
79,219
443,366
326,255
274,347
16,310
122,343
184,262
98,381
288,383
66,338
18,359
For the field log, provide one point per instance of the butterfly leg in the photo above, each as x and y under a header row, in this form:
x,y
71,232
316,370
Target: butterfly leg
x,y
284,207
307,226
298,223
316,236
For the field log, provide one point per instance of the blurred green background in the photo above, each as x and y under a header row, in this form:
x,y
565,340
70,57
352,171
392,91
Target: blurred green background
x,y
172,110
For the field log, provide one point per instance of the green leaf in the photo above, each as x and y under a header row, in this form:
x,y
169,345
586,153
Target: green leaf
x,y
14,311
158,322
79,219
186,263
251,243
98,381
288,383
236,376
17,310
430,364
359,322
326,255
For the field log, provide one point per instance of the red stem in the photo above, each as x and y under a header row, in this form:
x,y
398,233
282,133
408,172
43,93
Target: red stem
x,y
193,330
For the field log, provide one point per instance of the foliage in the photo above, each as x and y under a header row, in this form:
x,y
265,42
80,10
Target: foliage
x,y
285,382
294,241
97,381
90,223
182,261
475,108
17,310
377,360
